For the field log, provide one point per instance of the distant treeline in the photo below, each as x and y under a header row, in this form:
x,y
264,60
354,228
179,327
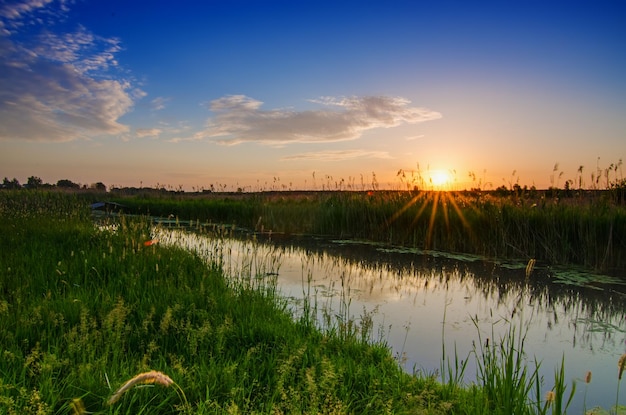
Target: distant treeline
x,y
614,192
603,182
35,182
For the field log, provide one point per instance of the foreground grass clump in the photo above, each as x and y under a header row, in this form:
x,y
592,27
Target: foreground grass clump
x,y
83,311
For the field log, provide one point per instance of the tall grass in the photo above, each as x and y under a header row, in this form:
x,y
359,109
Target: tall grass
x,y
587,231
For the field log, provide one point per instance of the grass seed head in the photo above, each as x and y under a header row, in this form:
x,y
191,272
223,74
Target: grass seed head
x,y
152,377
588,377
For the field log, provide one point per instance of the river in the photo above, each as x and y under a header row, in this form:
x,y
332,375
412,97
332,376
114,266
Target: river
x,y
430,306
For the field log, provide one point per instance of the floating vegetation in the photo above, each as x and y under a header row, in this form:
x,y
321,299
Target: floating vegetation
x,y
386,248
513,265
355,242
581,278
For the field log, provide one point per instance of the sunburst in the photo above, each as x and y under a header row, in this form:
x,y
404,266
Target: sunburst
x,y
440,180
438,200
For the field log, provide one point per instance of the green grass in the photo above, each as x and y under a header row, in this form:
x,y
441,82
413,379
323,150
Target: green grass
x,y
85,309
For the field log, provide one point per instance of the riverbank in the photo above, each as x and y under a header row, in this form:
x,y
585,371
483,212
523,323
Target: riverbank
x,y
85,309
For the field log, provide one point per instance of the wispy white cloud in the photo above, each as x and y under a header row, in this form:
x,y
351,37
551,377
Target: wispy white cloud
x,y
337,155
148,132
81,49
57,87
414,137
18,13
158,103
240,119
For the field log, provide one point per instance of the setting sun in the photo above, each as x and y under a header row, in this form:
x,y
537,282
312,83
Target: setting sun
x,y
439,179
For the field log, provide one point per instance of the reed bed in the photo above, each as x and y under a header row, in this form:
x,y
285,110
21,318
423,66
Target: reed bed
x,y
95,320
587,230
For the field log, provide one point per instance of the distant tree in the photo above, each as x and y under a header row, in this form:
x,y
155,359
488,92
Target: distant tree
x,y
67,184
568,188
34,182
501,191
11,184
100,187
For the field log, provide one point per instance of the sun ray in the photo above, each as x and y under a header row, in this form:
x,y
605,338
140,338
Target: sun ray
x,y
448,202
459,213
431,223
405,207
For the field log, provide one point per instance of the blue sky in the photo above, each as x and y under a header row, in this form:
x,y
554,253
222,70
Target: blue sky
x,y
311,94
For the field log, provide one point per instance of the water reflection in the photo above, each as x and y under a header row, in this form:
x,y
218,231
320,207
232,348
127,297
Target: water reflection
x,y
422,305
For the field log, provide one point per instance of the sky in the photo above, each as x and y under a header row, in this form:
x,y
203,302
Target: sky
x,y
279,95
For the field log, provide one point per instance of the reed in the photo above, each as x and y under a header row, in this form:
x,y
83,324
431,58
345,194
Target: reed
x,y
586,231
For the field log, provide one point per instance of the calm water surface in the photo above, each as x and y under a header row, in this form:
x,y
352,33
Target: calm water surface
x,y
419,303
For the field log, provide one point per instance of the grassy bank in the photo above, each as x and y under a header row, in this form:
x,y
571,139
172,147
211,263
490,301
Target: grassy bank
x,y
586,229
82,311
85,310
